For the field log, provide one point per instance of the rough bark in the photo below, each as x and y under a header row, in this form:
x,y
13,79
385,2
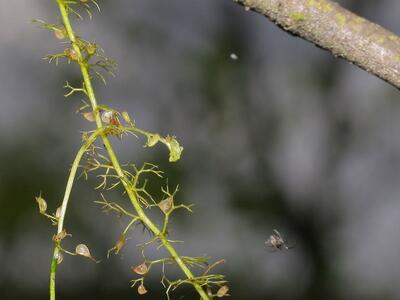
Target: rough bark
x,y
343,33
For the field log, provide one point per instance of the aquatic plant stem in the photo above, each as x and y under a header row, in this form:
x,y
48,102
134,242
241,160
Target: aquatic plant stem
x,y
84,67
63,209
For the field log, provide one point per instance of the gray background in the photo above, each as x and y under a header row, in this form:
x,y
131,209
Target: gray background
x,y
285,137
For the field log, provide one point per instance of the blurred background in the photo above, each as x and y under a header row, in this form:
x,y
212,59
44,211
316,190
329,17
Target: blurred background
x,y
284,137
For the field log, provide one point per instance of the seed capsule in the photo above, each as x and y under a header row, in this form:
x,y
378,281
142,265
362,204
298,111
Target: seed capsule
x,y
83,250
89,116
141,269
42,204
166,204
141,289
107,116
223,290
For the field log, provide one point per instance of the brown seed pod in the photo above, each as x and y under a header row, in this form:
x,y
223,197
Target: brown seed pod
x,y
223,291
83,250
166,204
141,269
141,290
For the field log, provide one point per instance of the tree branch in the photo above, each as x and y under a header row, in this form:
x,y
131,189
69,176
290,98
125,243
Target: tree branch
x,y
343,33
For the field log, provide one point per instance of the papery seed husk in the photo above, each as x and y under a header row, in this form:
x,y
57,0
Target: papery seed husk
x,y
141,269
166,204
83,250
223,290
141,290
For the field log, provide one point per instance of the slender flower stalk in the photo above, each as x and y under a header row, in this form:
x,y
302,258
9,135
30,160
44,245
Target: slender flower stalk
x,y
75,54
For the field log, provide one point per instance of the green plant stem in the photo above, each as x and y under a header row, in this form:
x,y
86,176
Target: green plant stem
x,y
92,98
63,209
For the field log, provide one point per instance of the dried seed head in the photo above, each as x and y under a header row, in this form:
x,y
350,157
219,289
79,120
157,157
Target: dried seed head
x,y
71,54
141,289
58,212
83,250
141,269
166,204
223,291
107,116
59,257
41,203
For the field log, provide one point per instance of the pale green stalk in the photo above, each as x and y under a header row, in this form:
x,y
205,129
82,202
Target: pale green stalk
x,y
117,167
60,221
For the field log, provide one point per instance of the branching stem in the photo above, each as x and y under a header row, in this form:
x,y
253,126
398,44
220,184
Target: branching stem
x,y
84,67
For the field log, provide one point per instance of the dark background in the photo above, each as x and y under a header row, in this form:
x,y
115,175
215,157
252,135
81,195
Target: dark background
x,y
284,137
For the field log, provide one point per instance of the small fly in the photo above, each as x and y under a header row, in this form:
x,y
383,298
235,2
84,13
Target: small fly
x,y
277,242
